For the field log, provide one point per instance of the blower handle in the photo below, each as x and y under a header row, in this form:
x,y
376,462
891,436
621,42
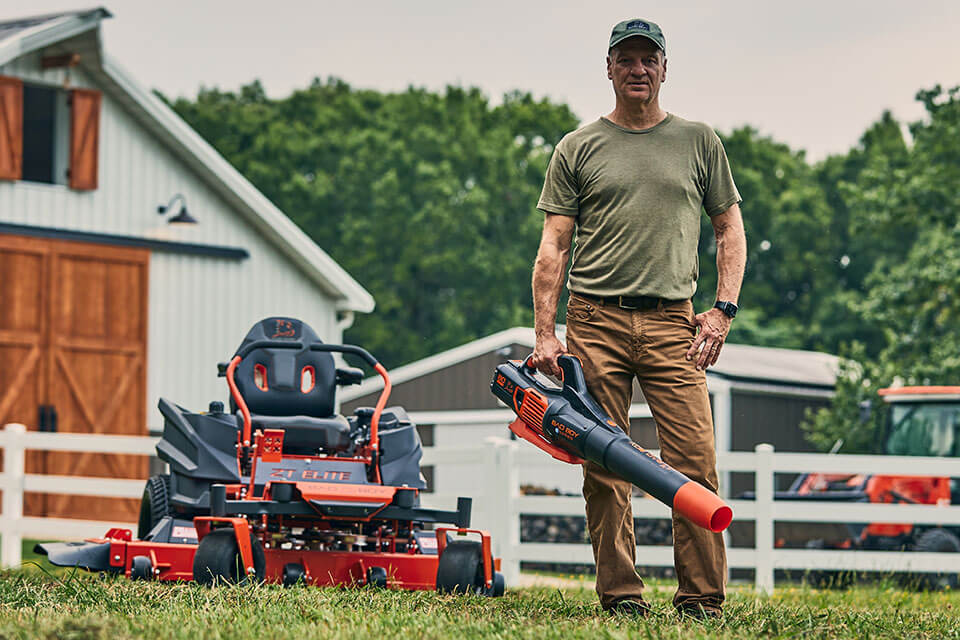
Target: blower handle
x,y
571,374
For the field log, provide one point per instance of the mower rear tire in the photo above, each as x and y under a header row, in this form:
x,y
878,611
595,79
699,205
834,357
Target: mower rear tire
x,y
460,568
934,541
141,568
217,559
154,504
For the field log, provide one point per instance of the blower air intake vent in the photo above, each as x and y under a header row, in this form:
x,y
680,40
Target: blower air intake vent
x,y
532,409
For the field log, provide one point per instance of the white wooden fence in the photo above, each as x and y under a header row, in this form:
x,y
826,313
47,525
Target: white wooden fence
x,y
498,466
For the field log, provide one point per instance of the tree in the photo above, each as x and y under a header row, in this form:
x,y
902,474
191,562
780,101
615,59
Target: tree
x,y
428,199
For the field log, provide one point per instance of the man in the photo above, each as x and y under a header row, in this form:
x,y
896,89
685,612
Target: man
x,y
632,185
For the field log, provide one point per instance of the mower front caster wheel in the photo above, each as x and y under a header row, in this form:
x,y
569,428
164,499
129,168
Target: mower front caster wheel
x,y
217,559
460,570
293,573
141,569
377,577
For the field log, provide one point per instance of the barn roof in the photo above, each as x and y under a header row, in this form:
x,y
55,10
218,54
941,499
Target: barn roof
x,y
21,36
737,362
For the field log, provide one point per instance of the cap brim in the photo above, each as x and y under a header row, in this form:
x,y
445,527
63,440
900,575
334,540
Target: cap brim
x,y
634,35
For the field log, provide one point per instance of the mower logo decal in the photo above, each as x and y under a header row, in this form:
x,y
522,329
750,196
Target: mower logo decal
x,y
285,329
310,475
184,532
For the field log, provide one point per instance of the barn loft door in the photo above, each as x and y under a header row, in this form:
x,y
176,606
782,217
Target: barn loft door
x,y
94,358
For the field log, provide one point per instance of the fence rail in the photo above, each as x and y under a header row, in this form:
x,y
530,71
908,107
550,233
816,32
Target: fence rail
x,y
495,469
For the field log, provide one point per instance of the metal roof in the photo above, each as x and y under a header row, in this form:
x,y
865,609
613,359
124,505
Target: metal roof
x,y
24,35
737,362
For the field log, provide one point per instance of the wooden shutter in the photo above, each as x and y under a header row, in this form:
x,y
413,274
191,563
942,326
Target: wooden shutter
x,y
84,138
11,128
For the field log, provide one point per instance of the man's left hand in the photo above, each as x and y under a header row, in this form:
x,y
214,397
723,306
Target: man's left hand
x,y
713,328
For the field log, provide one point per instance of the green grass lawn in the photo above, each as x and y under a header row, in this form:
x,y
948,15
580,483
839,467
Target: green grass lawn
x,y
78,605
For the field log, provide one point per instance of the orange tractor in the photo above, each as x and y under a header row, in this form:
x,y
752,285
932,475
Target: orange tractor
x,y
922,421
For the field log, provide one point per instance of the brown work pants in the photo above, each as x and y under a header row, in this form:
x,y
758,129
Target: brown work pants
x,y
614,345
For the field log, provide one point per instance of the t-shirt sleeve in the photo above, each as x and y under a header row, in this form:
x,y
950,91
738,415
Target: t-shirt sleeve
x,y
719,192
560,191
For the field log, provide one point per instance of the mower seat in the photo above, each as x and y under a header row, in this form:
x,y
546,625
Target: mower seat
x,y
292,389
306,432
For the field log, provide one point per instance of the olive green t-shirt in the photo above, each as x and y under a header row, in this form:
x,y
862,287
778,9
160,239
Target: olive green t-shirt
x,y
637,197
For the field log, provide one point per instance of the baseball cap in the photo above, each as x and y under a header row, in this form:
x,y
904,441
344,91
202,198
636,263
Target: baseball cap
x,y
638,27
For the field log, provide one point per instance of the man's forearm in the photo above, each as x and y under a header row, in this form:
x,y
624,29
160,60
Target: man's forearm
x,y
731,255
548,272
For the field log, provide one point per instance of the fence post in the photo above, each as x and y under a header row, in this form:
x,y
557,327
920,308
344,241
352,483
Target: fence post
x,y
764,521
502,509
13,468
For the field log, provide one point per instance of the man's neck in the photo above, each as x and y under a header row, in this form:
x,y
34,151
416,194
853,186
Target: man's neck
x,y
637,116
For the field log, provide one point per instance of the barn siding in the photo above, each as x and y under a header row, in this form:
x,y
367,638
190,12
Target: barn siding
x,y
200,307
770,418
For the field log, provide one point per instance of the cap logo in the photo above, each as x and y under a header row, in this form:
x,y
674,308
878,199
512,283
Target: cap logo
x,y
638,24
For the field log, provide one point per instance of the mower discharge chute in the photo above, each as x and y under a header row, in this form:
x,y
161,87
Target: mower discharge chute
x,y
568,424
285,490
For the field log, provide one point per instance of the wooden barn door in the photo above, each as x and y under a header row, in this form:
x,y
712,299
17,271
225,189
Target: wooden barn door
x,y
92,364
24,265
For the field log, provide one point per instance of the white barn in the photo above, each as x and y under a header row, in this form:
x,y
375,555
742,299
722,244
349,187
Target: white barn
x,y
104,306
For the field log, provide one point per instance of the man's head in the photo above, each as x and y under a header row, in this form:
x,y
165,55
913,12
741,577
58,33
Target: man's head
x,y
637,60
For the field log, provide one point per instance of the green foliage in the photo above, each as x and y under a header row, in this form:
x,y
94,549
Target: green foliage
x,y
428,199
855,418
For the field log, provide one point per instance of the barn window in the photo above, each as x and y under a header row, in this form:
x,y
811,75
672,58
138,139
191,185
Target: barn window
x,y
49,135
46,134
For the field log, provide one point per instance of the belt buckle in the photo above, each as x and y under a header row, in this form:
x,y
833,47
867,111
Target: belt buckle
x,y
623,306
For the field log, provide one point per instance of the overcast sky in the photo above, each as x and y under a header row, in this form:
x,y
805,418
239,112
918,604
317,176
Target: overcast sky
x,y
813,74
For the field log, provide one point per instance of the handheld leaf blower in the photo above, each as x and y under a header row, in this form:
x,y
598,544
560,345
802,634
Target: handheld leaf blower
x,y
567,423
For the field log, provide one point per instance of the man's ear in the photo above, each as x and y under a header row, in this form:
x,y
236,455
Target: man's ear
x,y
609,68
664,79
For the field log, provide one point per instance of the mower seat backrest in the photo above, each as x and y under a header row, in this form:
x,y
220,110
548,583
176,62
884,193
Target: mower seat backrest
x,y
286,382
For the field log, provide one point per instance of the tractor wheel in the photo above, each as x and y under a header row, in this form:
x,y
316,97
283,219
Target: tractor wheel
x,y
460,570
154,505
141,569
217,559
934,541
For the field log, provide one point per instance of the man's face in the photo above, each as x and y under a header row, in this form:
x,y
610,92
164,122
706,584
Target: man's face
x,y
637,68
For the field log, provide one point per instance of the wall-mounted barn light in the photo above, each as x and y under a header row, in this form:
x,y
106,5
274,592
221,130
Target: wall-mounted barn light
x,y
183,217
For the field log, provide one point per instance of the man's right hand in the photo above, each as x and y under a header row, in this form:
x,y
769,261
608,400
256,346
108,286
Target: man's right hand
x,y
545,354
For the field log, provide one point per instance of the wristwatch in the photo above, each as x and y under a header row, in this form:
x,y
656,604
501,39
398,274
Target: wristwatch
x,y
727,307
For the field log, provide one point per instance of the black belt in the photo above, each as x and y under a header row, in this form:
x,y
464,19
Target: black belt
x,y
639,303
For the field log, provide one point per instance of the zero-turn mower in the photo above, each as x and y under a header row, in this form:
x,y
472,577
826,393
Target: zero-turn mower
x,y
282,489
